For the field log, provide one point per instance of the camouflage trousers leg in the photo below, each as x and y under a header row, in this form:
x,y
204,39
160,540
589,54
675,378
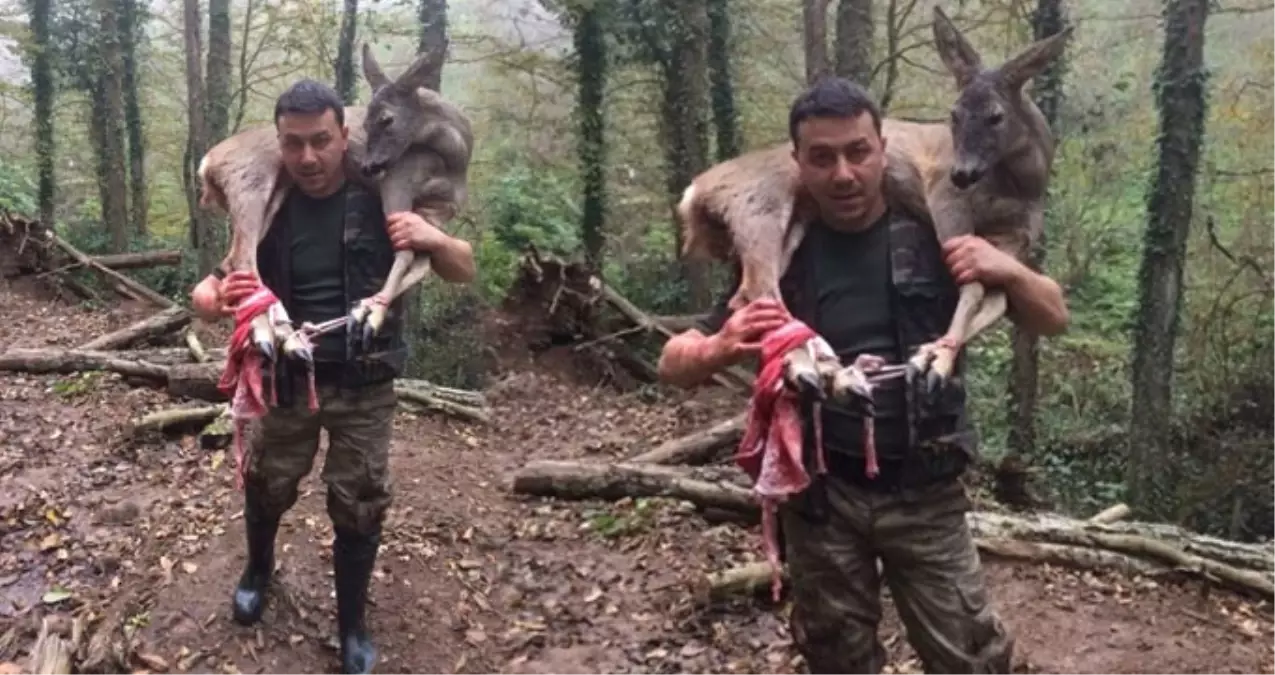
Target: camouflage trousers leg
x,y
930,564
359,423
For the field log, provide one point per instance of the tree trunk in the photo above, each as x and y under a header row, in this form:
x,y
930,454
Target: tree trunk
x,y
1024,370
685,123
346,82
1180,97
131,27
434,40
590,46
43,86
203,236
110,117
854,41
814,16
217,92
721,81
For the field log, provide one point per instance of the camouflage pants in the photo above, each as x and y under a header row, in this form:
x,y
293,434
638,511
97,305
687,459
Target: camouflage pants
x,y
284,443
930,564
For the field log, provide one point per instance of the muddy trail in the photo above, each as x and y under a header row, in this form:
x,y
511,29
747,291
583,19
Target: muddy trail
x,y
147,536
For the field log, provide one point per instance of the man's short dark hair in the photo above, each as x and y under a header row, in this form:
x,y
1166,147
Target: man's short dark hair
x,y
832,97
309,97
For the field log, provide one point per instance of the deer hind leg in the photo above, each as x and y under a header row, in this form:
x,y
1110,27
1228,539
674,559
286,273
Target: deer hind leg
x,y
938,358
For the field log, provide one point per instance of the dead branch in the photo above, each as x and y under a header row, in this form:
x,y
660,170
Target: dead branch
x,y
696,448
197,351
139,260
218,433
462,396
111,274
423,399
196,381
177,418
1111,514
53,653
581,480
74,361
165,322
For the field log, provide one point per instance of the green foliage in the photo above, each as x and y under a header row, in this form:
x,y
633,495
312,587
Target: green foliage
x,y
17,190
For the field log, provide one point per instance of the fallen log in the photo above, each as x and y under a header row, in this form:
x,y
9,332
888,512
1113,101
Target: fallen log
x,y
697,448
219,432
462,396
139,260
52,653
1111,514
111,274
197,351
197,381
75,360
162,323
581,480
428,401
166,356
177,418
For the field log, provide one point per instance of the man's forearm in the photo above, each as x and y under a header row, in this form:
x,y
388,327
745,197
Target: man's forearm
x,y
1037,303
690,358
453,261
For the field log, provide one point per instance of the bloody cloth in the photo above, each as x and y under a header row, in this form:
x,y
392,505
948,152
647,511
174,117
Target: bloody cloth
x,y
242,380
771,450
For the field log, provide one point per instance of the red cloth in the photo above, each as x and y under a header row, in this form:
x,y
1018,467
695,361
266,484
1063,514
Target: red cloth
x,y
770,451
242,379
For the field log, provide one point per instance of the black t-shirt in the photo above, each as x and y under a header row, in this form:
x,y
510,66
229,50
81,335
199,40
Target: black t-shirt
x,y
852,275
318,276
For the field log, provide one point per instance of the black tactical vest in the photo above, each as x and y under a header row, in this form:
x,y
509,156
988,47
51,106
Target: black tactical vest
x,y
923,299
366,257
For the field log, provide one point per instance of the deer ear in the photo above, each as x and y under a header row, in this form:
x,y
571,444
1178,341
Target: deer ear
x,y
372,70
1035,58
421,71
957,53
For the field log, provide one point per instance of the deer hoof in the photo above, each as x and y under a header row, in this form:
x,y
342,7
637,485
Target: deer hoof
x,y
851,383
935,360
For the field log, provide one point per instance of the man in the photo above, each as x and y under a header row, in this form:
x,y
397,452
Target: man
x,y
328,247
846,282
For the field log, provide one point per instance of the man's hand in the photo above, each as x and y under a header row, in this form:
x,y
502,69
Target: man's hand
x,y
741,335
213,299
971,258
408,230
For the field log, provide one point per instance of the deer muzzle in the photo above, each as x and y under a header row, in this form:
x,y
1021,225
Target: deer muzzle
x,y
374,168
965,176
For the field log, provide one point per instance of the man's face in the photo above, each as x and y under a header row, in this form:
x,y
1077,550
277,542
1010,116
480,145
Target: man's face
x,y
841,161
313,147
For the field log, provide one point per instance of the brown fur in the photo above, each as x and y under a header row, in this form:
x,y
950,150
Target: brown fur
x,y
752,208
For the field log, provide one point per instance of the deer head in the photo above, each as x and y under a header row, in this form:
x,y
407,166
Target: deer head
x,y
990,118
396,113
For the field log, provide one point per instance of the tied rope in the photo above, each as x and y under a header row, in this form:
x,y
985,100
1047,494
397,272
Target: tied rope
x,y
242,380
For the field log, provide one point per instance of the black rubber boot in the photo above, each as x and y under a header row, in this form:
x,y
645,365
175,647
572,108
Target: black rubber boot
x,y
353,557
250,594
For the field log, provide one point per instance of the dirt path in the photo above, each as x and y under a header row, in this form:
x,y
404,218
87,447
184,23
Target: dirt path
x,y
471,579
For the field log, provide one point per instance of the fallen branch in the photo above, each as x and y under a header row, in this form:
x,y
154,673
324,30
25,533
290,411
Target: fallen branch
x,y
52,653
139,260
1111,514
162,323
462,396
197,381
124,281
197,351
74,361
429,401
218,433
696,448
177,418
581,480
167,356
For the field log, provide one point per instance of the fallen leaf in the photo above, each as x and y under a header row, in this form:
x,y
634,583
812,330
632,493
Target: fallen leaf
x,y
154,662
55,595
217,459
296,639
50,542
593,595
189,567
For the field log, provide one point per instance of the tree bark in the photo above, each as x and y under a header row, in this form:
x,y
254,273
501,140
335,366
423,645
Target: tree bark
x,y
177,419
721,80
203,235
1024,370
591,55
43,87
1180,97
581,480
131,27
346,79
434,40
75,361
217,118
197,381
814,16
110,98
697,448
854,41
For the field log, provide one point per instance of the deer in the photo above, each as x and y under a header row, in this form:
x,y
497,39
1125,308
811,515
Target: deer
x,y
409,144
984,172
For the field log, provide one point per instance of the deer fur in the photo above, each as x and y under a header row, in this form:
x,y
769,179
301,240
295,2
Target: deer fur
x,y
409,144
985,173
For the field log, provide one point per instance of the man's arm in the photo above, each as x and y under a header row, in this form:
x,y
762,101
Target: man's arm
x,y
692,357
1036,302
452,259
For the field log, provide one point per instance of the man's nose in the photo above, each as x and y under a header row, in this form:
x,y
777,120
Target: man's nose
x,y
843,172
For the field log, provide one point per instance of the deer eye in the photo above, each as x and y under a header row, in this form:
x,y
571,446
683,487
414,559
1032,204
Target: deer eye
x,y
385,120
995,118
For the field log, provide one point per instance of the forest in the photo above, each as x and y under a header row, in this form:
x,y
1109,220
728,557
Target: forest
x,y
590,118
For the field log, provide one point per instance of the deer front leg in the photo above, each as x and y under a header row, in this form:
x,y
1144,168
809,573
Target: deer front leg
x,y
939,357
369,313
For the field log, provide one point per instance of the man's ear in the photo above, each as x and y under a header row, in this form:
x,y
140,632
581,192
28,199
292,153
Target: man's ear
x,y
345,132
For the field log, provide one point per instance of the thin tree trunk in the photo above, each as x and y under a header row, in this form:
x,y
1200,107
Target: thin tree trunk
x,y
590,46
1024,371
346,84
218,71
1180,96
434,40
854,41
131,22
202,236
814,16
110,116
721,82
43,92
